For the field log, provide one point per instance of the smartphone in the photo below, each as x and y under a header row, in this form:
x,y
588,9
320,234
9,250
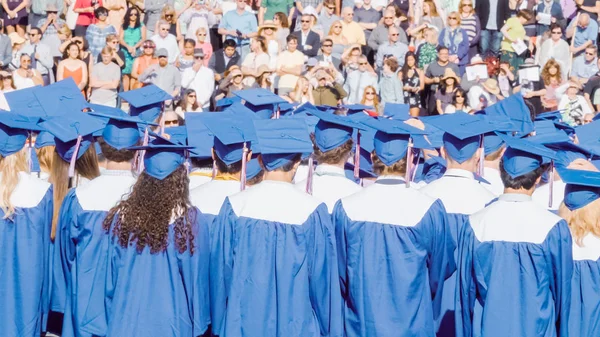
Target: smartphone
x,y
238,32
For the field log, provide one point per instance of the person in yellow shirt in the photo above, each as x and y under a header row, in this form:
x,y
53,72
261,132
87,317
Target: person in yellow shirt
x,y
514,33
351,30
289,66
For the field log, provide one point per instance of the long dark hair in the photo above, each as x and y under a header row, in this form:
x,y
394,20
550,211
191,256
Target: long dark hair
x,y
405,67
128,15
462,92
142,219
66,52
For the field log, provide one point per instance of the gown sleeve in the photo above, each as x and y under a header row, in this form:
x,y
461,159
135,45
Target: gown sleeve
x,y
64,253
324,284
339,220
560,248
221,264
194,273
440,261
465,291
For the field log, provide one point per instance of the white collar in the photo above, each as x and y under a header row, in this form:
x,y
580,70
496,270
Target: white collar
x,y
326,168
459,173
514,197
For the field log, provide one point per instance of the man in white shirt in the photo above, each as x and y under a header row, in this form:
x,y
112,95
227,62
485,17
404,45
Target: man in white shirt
x,y
199,78
167,41
41,57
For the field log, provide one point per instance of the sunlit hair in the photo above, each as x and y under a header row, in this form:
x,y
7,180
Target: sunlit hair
x,y
256,179
432,8
462,4
301,85
10,167
138,219
85,167
45,157
66,31
375,98
283,19
582,221
331,33
457,16
496,154
334,156
168,10
262,42
547,77
380,169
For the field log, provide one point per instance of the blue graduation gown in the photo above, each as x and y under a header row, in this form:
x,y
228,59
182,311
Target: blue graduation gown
x,y
274,266
330,185
24,259
162,294
395,251
473,197
515,259
584,319
82,250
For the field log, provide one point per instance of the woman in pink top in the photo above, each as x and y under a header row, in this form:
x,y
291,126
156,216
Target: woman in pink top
x,y
202,43
86,9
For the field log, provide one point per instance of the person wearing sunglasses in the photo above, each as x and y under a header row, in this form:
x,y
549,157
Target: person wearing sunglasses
x,y
97,32
309,42
169,14
358,80
199,16
555,48
328,15
456,40
142,62
132,36
199,78
152,12
379,35
392,49
166,40
585,67
40,55
50,27
584,31
188,103
469,22
164,75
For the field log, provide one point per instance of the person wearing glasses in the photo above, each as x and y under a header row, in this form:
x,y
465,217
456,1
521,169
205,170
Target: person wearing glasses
x,y
142,62
168,14
97,32
379,35
152,11
199,78
309,42
327,56
164,75
188,103
50,26
118,56
132,36
167,41
555,48
392,49
39,54
199,16
456,40
328,15
469,22
351,30
358,80
25,76
585,67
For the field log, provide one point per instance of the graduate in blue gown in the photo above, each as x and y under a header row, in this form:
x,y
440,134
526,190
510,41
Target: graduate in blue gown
x,y
458,189
333,144
234,138
580,208
82,246
25,222
202,164
394,245
158,253
273,261
515,257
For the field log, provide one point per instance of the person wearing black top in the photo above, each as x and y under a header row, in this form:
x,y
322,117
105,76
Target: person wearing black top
x,y
492,15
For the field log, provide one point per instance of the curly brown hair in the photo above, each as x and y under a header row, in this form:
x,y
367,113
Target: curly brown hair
x,y
380,168
547,77
141,219
338,155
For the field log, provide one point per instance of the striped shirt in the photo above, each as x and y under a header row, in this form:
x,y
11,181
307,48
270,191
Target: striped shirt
x,y
469,24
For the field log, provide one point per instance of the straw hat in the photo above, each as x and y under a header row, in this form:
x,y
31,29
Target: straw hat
x,y
448,73
15,38
491,85
267,24
262,69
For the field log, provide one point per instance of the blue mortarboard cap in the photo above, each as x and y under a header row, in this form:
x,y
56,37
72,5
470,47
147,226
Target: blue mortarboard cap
x,y
227,101
514,109
549,116
433,169
396,111
491,142
43,139
67,128
332,130
589,136
567,152
281,140
14,130
240,109
583,187
258,97
253,167
523,156
462,133
121,131
287,108
200,138
355,108
547,133
146,101
177,135
162,157
362,172
60,97
391,139
105,110
231,132
25,102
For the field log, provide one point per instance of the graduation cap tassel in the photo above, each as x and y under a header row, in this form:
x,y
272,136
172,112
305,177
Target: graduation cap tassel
x,y
141,153
414,167
551,184
481,159
309,178
357,157
277,112
73,161
214,170
243,173
409,161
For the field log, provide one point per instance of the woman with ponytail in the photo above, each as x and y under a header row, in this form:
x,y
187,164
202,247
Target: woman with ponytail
x,y
26,215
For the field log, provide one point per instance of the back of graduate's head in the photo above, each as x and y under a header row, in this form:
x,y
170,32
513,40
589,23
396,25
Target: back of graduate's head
x,y
232,168
582,221
45,157
495,155
160,194
284,165
525,181
201,163
336,156
462,153
10,166
113,154
397,168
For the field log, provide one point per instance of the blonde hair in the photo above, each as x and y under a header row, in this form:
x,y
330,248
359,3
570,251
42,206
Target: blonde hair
x,y
168,9
582,221
66,31
86,166
380,169
457,16
330,33
433,12
10,166
45,157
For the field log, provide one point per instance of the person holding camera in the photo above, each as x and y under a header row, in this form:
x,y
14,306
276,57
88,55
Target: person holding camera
x,y
328,91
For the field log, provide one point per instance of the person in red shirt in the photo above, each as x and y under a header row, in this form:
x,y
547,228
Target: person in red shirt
x,y
86,9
